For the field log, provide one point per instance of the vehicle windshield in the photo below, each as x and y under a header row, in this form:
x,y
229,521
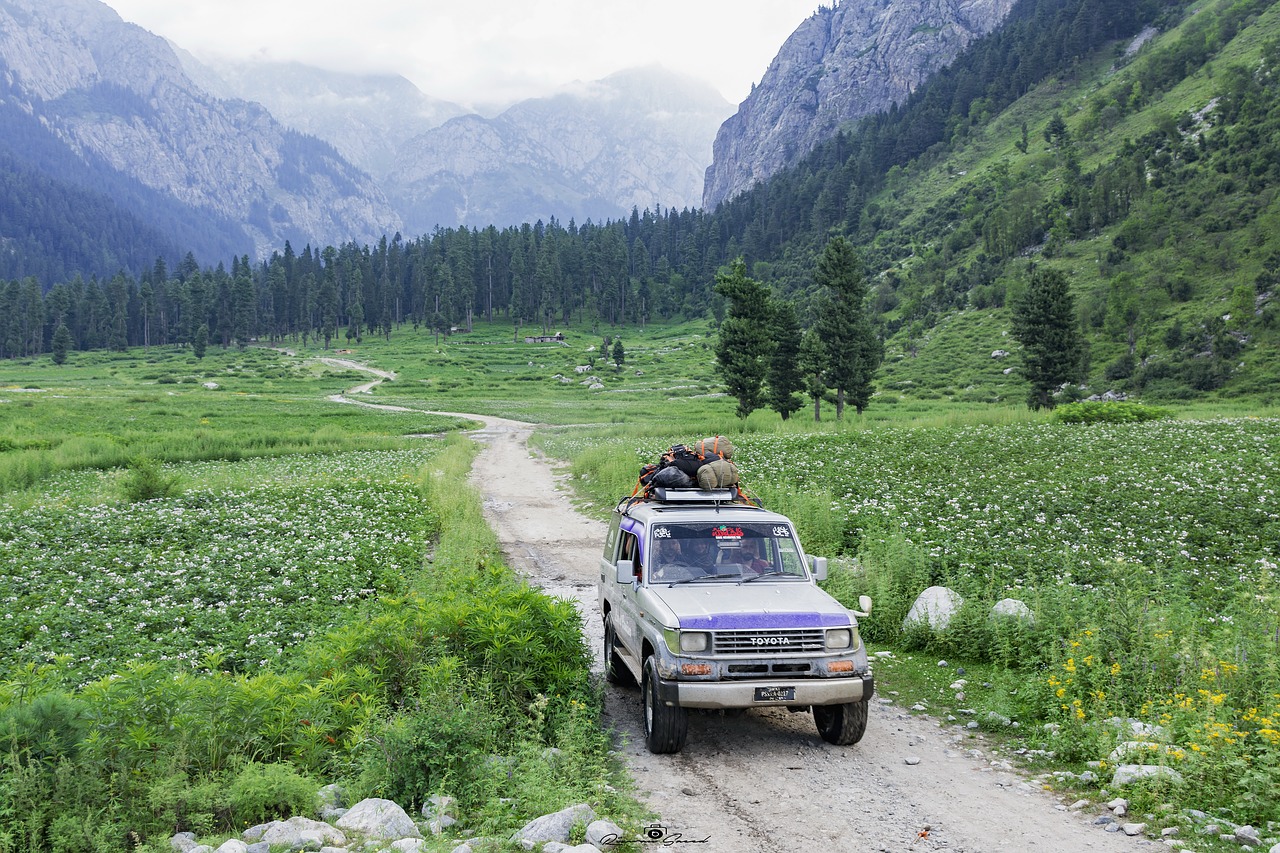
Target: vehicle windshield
x,y
687,552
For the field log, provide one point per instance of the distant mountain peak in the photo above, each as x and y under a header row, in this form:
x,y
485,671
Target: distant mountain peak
x,y
844,62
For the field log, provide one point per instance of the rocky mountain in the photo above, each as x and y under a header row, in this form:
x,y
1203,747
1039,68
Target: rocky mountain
x,y
850,60
638,138
367,117
118,98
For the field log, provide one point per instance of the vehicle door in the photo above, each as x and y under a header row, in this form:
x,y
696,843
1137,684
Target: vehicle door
x,y
625,625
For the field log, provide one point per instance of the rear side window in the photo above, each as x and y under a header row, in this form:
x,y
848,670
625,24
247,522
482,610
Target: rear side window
x,y
611,539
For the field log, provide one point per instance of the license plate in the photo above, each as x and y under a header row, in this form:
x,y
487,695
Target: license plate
x,y
775,694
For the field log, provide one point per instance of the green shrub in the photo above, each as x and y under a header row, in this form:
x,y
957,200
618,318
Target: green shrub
x,y
265,792
144,481
1117,412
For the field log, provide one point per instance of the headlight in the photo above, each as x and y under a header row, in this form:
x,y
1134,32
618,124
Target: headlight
x,y
694,641
840,638
684,642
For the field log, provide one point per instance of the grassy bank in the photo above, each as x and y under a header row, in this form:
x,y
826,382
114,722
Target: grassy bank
x,y
199,645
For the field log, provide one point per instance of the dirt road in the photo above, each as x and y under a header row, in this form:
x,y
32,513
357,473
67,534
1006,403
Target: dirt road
x,y
765,781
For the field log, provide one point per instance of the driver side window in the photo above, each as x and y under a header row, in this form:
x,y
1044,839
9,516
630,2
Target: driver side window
x,y
630,550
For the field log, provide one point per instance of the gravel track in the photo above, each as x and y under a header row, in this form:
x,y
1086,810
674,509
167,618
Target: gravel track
x,y
763,781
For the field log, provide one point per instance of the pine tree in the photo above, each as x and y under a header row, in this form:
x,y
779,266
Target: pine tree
x,y
853,350
744,346
784,378
1044,323
61,343
813,363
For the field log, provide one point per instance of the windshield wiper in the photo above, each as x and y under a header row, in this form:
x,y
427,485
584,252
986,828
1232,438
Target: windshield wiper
x,y
770,574
702,578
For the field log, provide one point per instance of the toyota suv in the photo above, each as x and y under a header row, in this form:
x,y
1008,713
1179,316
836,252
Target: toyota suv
x,y
710,602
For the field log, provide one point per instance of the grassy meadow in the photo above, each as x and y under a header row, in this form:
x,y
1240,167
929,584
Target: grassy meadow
x,y
154,503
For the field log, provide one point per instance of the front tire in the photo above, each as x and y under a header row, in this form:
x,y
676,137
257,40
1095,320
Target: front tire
x,y
665,726
615,671
842,725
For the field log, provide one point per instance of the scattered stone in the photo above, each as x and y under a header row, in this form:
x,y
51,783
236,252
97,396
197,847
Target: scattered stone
x,y
1118,803
1078,805
261,847
1169,831
960,684
911,760
1247,836
406,845
1132,829
918,707
1103,820
1127,773
300,833
233,845
555,826
183,842
999,354
603,833
380,819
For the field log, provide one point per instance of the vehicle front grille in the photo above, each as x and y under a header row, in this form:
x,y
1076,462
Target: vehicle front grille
x,y
782,642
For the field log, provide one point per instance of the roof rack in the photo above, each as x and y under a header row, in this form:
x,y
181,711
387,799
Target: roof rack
x,y
662,494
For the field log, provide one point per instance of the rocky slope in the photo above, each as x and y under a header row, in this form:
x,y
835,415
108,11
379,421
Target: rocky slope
x,y
113,92
847,61
367,117
638,138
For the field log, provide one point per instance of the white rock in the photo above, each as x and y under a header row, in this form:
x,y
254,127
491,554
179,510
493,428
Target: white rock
x,y
1132,829
297,830
934,607
407,845
603,834
378,818
1127,773
233,845
911,760
1012,608
555,826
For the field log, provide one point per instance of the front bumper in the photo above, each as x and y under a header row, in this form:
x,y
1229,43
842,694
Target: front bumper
x,y
741,694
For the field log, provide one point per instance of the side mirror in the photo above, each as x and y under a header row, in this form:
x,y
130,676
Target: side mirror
x,y
864,607
626,571
818,565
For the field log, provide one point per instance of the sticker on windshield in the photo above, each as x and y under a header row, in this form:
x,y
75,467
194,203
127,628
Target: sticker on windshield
x,y
726,532
662,533
782,533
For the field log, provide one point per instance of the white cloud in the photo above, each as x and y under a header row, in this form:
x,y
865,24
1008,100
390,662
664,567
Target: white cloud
x,y
495,51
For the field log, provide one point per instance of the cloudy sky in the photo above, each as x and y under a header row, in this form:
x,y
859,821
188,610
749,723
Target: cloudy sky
x,y
495,51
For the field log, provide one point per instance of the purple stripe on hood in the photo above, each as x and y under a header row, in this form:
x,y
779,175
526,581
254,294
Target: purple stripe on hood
x,y
761,621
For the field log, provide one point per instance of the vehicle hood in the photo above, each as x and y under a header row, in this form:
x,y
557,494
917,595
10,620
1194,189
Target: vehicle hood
x,y
753,606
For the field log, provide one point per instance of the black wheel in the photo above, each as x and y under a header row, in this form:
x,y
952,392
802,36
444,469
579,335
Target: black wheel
x,y
665,726
841,724
615,671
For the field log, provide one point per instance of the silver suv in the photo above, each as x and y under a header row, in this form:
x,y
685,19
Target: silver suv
x,y
709,602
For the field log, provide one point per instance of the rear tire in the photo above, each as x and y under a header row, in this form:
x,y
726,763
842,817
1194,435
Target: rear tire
x,y
842,725
615,671
665,726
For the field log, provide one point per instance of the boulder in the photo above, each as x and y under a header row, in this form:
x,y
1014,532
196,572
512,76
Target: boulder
x,y
555,826
1127,773
604,834
299,833
934,607
379,819
183,842
1012,608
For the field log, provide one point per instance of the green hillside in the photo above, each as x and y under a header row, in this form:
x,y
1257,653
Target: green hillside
x,y
1129,145
1157,197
